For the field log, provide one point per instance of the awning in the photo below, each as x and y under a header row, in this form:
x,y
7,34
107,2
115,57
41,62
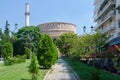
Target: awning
x,y
112,48
115,41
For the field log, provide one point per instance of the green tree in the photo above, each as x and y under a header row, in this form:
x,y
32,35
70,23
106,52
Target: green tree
x,y
34,68
27,52
87,45
64,42
1,33
6,31
7,50
27,37
46,52
0,41
5,36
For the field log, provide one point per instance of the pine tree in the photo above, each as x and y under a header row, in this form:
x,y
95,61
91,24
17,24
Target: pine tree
x,y
6,31
33,68
6,36
46,51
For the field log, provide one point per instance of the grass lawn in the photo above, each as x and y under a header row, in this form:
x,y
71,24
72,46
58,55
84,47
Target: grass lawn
x,y
84,71
18,72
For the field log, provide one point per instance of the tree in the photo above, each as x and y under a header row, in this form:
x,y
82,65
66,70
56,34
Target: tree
x,y
26,37
34,68
1,33
6,31
64,42
87,45
7,50
46,51
0,41
27,52
5,36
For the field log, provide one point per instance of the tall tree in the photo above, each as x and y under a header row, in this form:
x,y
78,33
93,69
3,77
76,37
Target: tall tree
x,y
87,45
46,52
6,36
6,31
64,42
1,34
26,37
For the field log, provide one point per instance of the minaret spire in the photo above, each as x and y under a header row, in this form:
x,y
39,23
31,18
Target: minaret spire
x,y
27,13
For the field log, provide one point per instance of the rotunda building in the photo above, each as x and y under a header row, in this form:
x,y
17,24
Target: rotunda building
x,y
55,29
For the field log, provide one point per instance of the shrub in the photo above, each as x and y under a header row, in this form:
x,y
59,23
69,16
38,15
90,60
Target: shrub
x,y
46,52
27,52
9,61
20,59
7,50
33,68
14,60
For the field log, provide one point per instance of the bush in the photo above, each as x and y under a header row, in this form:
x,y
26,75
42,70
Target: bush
x,y
27,52
46,52
33,68
20,59
14,60
7,50
9,61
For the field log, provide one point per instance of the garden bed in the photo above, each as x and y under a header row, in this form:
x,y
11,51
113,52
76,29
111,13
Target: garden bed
x,y
84,71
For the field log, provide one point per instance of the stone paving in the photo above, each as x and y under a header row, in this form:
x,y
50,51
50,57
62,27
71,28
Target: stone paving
x,y
61,71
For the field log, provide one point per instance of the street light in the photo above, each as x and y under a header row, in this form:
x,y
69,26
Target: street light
x,y
84,29
12,37
91,28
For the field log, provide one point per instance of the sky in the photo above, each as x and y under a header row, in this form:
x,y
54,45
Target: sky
x,y
78,12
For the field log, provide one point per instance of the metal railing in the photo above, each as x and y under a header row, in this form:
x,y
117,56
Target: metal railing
x,y
104,19
110,2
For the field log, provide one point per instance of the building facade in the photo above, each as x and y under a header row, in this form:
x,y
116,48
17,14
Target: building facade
x,y
107,17
55,29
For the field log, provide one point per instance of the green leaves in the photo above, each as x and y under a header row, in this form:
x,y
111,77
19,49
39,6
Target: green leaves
x,y
27,52
7,50
64,42
27,37
46,51
34,68
80,46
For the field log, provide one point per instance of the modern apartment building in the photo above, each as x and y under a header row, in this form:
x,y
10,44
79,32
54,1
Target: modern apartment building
x,y
107,18
55,29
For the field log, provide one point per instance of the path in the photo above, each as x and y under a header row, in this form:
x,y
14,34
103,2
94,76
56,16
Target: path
x,y
1,60
61,71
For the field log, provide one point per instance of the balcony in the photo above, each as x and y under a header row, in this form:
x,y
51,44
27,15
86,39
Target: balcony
x,y
111,14
105,9
108,28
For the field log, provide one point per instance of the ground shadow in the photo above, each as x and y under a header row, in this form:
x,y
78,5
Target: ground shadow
x,y
43,68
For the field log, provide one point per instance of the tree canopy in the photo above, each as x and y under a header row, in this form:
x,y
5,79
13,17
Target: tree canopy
x,y
26,37
46,52
64,42
80,46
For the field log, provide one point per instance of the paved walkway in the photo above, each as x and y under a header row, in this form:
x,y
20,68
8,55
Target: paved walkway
x,y
61,71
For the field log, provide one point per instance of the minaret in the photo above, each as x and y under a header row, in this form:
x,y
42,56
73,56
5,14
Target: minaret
x,y
27,13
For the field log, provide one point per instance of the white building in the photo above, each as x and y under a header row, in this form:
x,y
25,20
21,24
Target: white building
x,y
107,17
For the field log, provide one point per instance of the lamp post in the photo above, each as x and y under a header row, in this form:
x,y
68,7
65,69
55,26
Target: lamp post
x,y
91,28
12,37
84,29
